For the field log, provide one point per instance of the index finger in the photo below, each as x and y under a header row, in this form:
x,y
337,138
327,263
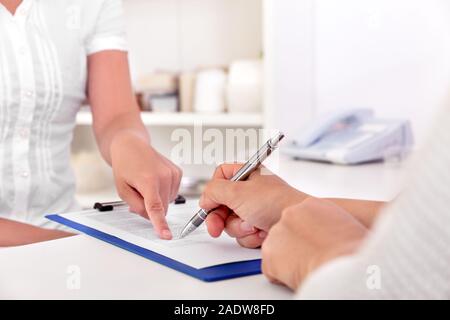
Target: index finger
x,y
227,170
156,212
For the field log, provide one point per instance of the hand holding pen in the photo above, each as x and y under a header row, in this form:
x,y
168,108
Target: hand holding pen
x,y
243,212
222,196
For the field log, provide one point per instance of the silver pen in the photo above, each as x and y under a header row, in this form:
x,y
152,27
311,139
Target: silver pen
x,y
247,169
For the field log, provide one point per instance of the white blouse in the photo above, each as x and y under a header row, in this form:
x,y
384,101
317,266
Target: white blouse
x,y
43,72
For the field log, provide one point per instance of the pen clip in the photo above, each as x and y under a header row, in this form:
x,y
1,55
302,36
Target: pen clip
x,y
109,206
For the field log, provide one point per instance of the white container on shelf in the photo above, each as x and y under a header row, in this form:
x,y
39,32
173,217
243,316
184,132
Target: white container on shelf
x,y
186,91
210,91
244,88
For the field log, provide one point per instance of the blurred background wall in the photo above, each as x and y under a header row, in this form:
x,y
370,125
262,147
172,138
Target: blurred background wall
x,y
318,56
389,55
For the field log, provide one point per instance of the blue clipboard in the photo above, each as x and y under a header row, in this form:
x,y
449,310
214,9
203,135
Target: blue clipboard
x,y
209,274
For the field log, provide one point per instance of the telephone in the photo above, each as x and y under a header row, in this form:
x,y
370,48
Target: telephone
x,y
352,136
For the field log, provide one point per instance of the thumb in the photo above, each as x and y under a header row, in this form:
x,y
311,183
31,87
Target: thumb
x,y
220,192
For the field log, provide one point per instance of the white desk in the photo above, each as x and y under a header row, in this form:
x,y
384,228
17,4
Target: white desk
x,y
376,181
40,270
107,272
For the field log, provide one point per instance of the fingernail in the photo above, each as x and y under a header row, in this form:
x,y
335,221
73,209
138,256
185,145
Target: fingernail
x,y
262,234
246,227
166,234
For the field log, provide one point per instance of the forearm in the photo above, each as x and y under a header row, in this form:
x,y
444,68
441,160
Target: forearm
x,y
114,108
365,211
14,233
119,130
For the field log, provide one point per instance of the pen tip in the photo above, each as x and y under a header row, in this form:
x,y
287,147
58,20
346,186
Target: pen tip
x,y
187,230
181,235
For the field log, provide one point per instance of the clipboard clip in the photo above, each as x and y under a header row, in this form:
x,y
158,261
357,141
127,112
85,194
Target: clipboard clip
x,y
109,206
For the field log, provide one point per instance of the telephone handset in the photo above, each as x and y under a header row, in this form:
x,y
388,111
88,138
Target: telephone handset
x,y
332,123
351,136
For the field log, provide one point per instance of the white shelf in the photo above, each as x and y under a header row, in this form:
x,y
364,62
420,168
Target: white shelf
x,y
84,117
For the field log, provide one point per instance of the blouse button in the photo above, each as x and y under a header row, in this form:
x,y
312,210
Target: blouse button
x,y
22,12
24,133
25,174
29,94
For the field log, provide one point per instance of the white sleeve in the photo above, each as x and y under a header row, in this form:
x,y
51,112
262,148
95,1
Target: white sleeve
x,y
108,32
408,254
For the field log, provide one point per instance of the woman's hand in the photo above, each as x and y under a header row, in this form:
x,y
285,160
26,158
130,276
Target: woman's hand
x,y
145,179
247,209
308,235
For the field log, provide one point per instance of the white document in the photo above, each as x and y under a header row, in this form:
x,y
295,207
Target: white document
x,y
198,250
